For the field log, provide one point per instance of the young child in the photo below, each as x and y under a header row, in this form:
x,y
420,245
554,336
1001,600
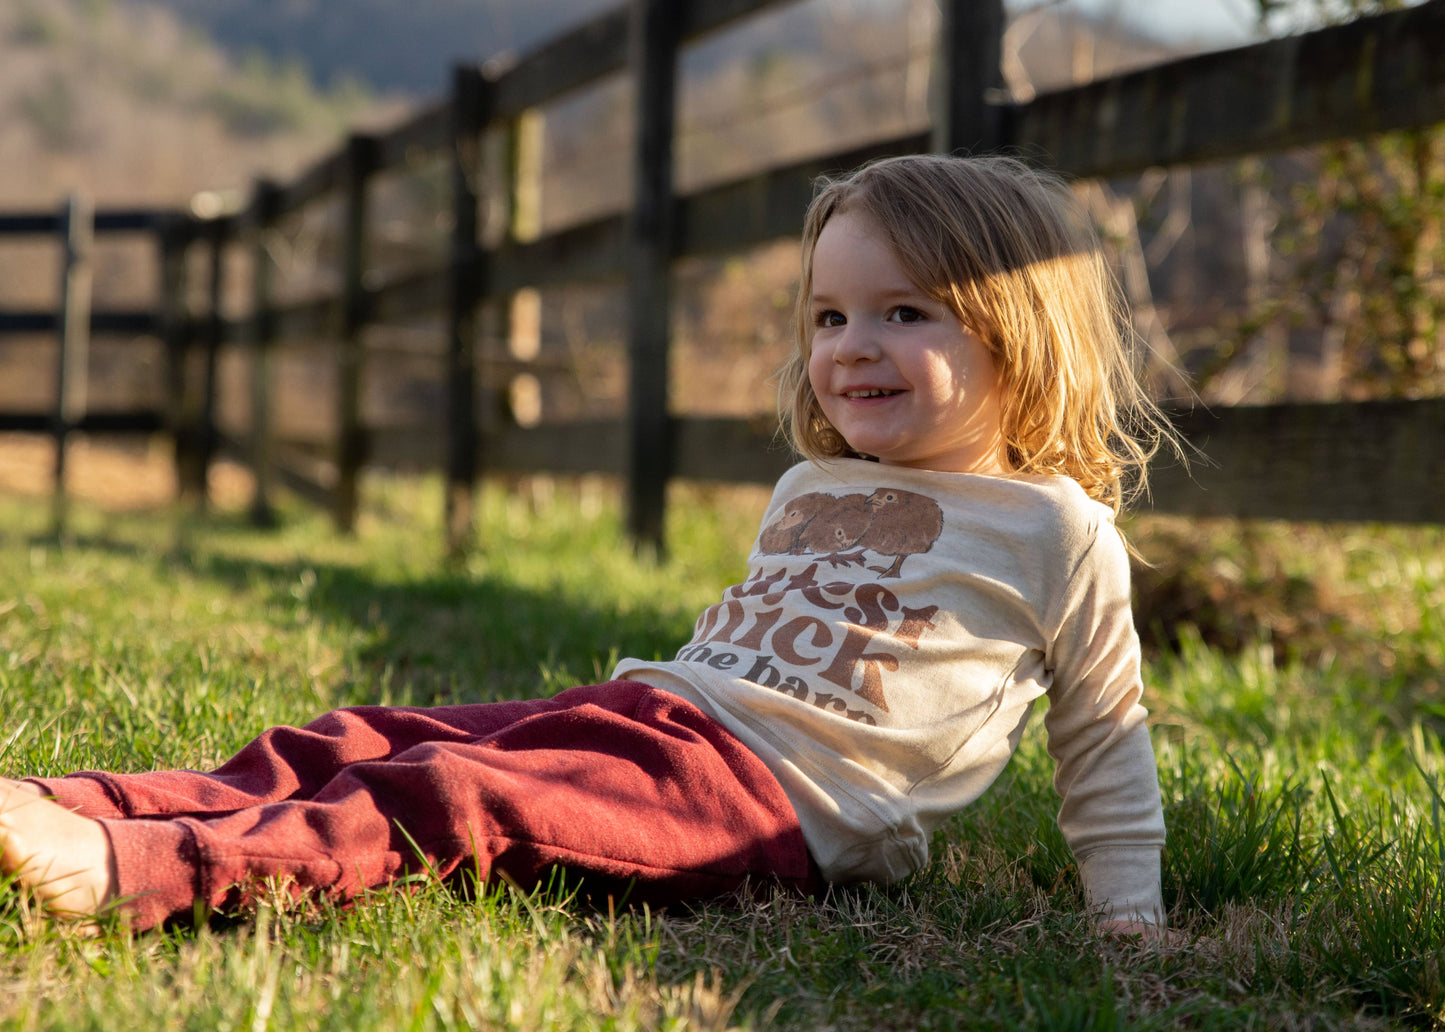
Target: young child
x,y
946,557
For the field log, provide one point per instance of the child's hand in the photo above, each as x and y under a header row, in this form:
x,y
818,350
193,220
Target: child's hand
x,y
1142,931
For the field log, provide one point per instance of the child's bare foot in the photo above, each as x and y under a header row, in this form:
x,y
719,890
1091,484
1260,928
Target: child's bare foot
x,y
65,859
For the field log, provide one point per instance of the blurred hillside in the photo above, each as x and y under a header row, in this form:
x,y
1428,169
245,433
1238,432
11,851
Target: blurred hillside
x,y
123,100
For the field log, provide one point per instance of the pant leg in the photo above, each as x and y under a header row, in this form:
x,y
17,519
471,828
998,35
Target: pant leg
x,y
283,762
627,785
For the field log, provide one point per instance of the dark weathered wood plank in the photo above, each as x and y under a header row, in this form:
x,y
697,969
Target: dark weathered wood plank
x,y
107,220
173,326
730,216
361,155
1382,461
1371,461
768,205
654,35
406,448
122,323
421,136
1375,74
133,220
598,48
573,59
589,251
311,477
103,322
26,422
966,73
290,467
224,229
739,451
260,218
299,483
710,449
24,223
325,176
213,333
409,295
720,450
582,447
15,322
471,100
312,319
699,17
140,421
72,377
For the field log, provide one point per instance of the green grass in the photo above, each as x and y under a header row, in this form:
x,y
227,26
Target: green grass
x,y
1303,796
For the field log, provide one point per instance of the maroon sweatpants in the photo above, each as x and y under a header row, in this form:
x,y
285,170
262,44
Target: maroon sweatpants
x,y
634,788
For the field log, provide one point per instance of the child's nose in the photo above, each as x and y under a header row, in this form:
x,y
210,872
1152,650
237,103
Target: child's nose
x,y
855,344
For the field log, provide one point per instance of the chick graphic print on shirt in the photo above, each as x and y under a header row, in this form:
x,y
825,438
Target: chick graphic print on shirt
x,y
890,522
835,531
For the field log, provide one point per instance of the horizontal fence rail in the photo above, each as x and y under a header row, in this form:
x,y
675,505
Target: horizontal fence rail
x,y
115,220
1381,461
1369,76
132,324
139,422
1308,462
1367,461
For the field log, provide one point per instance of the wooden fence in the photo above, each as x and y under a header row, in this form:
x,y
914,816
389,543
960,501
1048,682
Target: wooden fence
x,y
1378,461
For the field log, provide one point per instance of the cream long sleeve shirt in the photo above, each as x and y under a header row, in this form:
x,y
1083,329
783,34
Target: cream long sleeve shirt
x,y
887,648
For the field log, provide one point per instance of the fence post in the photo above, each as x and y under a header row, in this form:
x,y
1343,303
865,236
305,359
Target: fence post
x,y
467,118
653,38
173,239
966,114
361,154
77,234
217,231
263,332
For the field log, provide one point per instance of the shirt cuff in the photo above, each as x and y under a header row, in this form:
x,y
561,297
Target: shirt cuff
x,y
1123,883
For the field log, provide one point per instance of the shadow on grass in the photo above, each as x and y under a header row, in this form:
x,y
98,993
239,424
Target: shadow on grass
x,y
437,637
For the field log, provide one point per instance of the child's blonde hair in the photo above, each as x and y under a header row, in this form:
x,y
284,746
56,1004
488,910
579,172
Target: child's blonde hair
x,y
1007,248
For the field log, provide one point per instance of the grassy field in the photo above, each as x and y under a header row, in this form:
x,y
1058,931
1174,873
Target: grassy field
x,y
1302,789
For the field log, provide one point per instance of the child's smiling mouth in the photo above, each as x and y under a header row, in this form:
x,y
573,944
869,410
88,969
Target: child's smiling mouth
x,y
871,392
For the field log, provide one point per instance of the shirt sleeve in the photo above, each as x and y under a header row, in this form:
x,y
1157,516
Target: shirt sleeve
x,y
1111,815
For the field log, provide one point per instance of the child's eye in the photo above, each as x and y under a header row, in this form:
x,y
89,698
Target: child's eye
x,y
828,317
908,314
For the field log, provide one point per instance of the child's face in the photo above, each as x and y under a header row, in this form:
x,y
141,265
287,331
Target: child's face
x,y
896,372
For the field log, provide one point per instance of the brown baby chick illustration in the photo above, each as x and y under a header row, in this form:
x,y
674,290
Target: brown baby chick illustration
x,y
889,522
837,528
781,536
903,524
